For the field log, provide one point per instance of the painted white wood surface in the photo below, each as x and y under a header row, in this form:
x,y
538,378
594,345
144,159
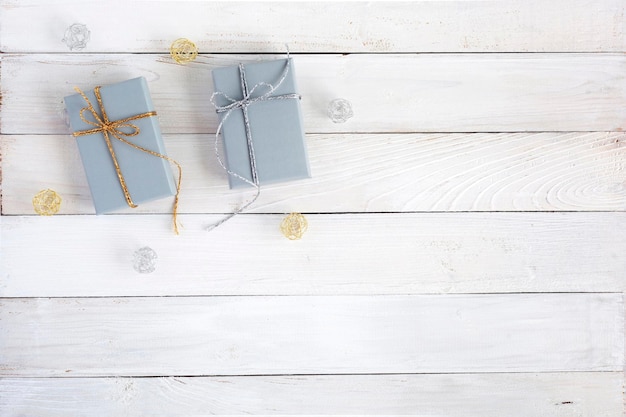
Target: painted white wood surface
x,y
346,283
185,336
360,173
594,394
417,26
389,92
340,254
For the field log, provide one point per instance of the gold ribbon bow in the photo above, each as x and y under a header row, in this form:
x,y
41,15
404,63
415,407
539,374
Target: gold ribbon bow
x,y
115,128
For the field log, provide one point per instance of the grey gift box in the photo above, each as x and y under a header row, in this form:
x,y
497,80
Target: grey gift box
x,y
147,177
275,125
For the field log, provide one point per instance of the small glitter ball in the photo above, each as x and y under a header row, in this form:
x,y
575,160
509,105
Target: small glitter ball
x,y
47,202
76,37
183,51
293,226
340,110
144,260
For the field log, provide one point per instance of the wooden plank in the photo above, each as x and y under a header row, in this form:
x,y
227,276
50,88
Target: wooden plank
x,y
339,254
360,173
389,93
584,394
426,26
353,288
187,336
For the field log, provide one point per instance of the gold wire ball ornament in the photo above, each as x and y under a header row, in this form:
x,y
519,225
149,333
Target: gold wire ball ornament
x,y
46,202
183,51
293,226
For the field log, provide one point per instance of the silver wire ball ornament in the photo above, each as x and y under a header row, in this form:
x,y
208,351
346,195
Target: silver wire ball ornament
x,y
340,110
76,37
144,260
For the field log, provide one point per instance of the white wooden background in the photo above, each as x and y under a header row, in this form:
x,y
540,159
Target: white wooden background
x,y
466,252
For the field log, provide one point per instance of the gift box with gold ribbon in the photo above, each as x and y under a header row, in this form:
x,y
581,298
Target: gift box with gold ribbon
x,y
120,145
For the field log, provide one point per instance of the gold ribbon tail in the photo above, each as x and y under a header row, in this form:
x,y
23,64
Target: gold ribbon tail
x,y
178,182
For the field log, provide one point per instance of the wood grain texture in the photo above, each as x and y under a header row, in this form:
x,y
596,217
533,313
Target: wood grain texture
x,y
400,299
359,173
425,26
186,336
339,254
583,394
389,93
